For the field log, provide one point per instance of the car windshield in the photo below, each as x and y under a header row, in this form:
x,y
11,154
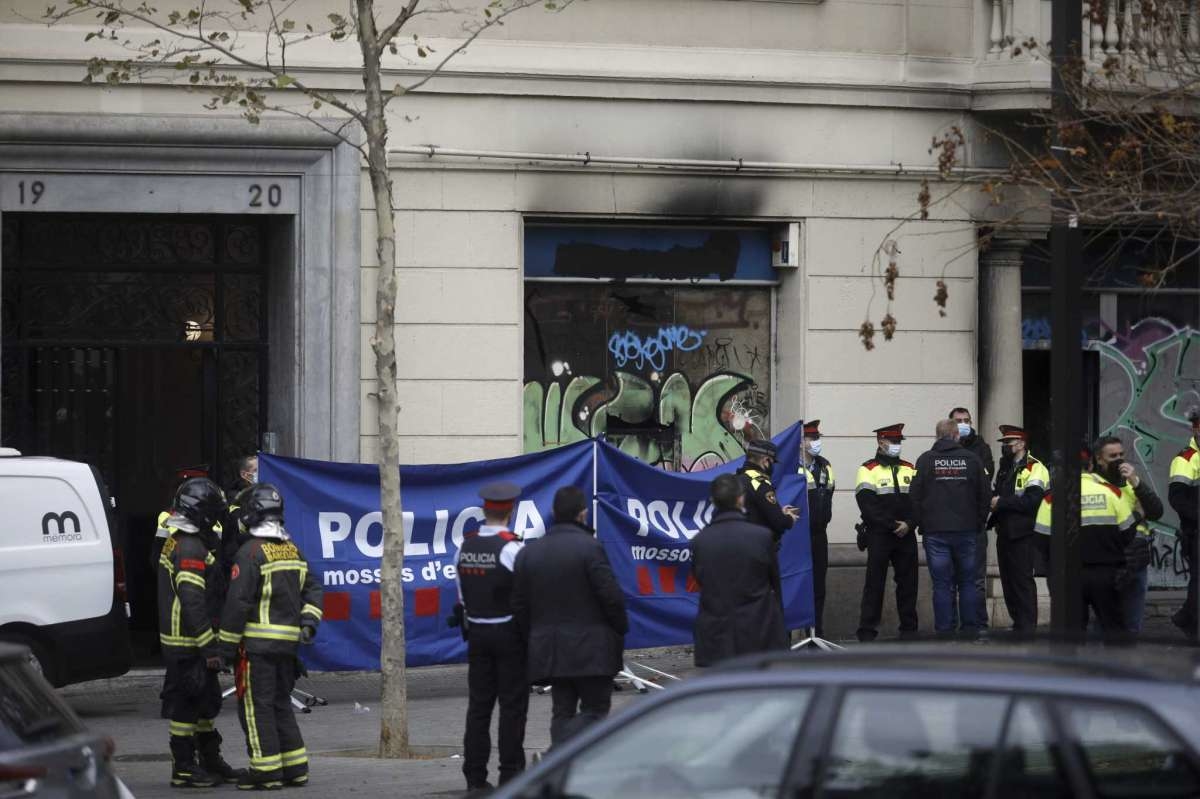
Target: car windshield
x,y
29,711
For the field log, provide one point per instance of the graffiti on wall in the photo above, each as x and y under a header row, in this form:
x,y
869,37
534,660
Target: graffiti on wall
x,y
1149,376
675,376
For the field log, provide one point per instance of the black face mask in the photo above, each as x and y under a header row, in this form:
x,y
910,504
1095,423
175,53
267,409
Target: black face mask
x,y
1006,451
1113,472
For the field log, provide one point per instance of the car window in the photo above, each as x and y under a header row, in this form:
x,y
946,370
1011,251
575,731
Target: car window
x,y
1128,752
29,711
1032,767
923,744
726,745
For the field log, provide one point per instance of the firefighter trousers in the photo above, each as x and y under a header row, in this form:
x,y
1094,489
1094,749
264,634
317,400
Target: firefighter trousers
x,y
191,699
273,739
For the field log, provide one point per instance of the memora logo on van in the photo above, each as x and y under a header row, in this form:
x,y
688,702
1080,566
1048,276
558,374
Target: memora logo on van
x,y
59,528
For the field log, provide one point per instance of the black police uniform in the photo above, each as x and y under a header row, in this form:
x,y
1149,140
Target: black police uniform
x,y
821,484
273,597
1020,487
762,506
495,650
881,491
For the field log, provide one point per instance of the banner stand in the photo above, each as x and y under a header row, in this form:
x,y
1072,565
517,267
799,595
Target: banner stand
x,y
811,639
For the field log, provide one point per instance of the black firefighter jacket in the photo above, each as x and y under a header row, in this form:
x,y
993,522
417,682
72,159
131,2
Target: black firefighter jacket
x,y
189,596
741,608
271,594
568,605
950,492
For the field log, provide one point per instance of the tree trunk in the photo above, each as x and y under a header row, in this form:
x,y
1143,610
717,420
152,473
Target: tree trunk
x,y
393,720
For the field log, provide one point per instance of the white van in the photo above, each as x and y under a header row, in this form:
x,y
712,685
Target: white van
x,y
61,571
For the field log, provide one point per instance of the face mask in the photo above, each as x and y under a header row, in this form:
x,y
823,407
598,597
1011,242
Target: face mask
x,y
1113,471
964,429
893,450
1006,451
814,447
252,477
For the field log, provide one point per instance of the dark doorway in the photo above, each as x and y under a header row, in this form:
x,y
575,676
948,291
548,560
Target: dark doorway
x,y
1036,365
137,343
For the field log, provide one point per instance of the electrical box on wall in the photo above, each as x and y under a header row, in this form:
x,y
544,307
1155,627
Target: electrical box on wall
x,y
786,245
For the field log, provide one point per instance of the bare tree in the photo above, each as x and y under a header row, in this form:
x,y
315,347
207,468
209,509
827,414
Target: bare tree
x,y
237,51
1126,162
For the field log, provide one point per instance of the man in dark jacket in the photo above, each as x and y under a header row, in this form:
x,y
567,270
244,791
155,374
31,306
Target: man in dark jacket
x,y
762,506
818,474
734,563
950,497
1020,485
569,607
972,442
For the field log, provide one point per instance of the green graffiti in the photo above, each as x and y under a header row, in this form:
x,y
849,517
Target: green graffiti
x,y
1149,377
705,422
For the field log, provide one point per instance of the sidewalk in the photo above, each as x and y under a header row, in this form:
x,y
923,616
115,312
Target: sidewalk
x,y
341,738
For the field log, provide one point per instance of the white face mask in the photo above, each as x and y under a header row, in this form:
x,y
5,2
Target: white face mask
x,y
964,429
893,450
814,447
251,477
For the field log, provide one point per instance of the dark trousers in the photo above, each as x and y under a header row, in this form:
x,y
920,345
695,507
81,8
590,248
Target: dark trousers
x,y
1185,617
884,549
1100,596
495,671
191,699
980,581
1016,557
820,566
578,703
950,557
273,738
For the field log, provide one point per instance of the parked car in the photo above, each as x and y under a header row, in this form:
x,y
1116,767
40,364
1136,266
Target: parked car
x,y
44,749
61,571
915,722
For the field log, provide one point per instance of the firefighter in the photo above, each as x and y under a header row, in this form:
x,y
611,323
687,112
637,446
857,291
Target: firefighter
x,y
818,474
881,491
496,664
1106,531
1020,485
274,604
1184,496
189,599
762,506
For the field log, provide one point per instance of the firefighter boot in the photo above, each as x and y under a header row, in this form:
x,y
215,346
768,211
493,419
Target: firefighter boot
x,y
255,780
295,776
185,771
208,745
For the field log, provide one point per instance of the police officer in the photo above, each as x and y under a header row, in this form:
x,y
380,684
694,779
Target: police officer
x,y
762,506
274,605
881,491
1145,505
1106,529
818,474
189,599
1020,485
1184,497
495,651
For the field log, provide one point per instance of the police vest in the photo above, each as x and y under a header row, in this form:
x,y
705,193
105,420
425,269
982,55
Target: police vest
x,y
1033,473
821,478
486,585
1103,517
1185,471
885,478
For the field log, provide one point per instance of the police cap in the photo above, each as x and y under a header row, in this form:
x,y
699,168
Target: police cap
x,y
762,447
812,429
500,494
1012,431
894,432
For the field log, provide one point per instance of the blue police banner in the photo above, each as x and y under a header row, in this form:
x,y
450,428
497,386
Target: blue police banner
x,y
645,519
332,512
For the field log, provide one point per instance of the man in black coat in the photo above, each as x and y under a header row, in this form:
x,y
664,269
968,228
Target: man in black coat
x,y
972,442
950,499
734,563
568,605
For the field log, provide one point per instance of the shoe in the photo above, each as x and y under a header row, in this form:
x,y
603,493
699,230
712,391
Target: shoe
x,y
192,775
295,777
475,789
253,780
208,746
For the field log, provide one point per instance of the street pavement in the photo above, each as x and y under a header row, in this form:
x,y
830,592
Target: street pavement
x,y
341,738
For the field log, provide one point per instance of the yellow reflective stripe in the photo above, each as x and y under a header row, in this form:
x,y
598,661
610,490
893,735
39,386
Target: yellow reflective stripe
x,y
203,639
209,559
296,757
227,637
311,610
175,615
291,634
167,564
282,566
303,576
189,577
183,729
205,725
264,604
251,722
271,763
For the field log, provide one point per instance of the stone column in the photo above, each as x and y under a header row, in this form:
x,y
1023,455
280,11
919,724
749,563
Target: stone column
x,y
1000,369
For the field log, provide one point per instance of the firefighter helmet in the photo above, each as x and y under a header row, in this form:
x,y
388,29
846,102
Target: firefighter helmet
x,y
259,503
200,501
